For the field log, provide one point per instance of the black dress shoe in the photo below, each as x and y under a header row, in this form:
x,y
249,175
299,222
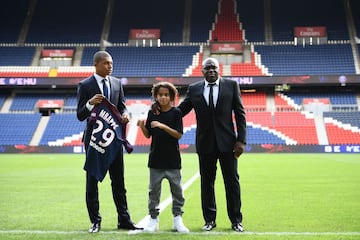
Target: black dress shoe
x,y
128,226
237,227
95,227
209,226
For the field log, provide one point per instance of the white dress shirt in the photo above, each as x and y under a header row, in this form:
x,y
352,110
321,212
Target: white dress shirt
x,y
215,92
100,84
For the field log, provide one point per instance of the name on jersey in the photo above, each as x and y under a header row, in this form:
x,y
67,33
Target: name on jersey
x,y
108,118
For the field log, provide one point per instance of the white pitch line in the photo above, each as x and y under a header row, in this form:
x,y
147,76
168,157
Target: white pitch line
x,y
191,233
168,200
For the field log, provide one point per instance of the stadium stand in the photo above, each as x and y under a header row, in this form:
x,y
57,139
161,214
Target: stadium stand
x,y
201,21
226,15
16,56
12,16
23,101
311,59
66,22
129,15
285,15
342,101
264,135
165,61
342,127
62,130
18,128
227,27
264,28
252,18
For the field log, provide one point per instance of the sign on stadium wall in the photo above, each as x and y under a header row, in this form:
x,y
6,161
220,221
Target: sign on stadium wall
x,y
304,32
322,80
316,101
136,34
263,148
57,53
226,48
50,104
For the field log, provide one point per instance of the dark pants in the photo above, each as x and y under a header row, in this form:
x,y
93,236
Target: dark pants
x,y
116,172
229,169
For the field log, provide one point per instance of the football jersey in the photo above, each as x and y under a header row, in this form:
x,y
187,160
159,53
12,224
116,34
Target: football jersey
x,y
107,139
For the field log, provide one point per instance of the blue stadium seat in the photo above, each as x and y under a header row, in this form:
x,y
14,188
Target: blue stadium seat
x,y
16,56
163,61
61,126
260,136
18,128
137,15
12,16
335,98
351,118
28,101
67,21
286,15
252,19
308,60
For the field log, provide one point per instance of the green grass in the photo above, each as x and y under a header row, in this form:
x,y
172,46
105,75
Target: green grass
x,y
285,196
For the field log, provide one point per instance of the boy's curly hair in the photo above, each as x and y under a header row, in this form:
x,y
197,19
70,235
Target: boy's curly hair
x,y
172,89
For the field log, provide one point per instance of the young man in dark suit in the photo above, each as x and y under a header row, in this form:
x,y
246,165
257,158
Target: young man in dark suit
x,y
215,101
91,91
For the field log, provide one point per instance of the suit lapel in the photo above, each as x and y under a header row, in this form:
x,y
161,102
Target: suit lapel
x,y
218,103
201,93
111,88
95,85
114,90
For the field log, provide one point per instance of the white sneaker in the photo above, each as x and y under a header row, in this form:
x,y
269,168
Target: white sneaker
x,y
179,225
153,225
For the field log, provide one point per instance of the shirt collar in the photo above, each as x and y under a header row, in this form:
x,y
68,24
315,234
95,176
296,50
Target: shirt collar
x,y
216,83
99,78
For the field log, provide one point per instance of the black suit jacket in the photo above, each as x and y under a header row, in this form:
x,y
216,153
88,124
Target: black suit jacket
x,y
219,125
87,88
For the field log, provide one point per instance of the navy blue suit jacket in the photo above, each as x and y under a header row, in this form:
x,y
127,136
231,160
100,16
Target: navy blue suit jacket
x,y
220,125
87,88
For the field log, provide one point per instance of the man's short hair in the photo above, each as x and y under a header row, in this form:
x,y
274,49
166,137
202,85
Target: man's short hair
x,y
100,55
210,62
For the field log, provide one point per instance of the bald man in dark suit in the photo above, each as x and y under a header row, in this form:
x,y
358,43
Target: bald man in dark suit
x,y
91,91
217,140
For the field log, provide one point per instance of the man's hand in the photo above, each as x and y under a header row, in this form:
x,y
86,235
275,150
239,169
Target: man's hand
x,y
125,117
239,148
96,99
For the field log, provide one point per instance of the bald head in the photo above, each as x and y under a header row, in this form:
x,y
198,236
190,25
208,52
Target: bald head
x,y
210,69
210,62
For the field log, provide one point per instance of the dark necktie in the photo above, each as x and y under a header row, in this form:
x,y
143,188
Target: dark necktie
x,y
211,98
105,89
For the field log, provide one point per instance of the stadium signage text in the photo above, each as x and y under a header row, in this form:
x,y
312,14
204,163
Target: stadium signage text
x,y
144,34
50,103
330,149
342,149
316,101
18,81
185,81
57,53
310,31
226,48
243,80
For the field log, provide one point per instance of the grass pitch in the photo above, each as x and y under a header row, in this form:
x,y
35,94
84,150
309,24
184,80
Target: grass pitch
x,y
285,196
